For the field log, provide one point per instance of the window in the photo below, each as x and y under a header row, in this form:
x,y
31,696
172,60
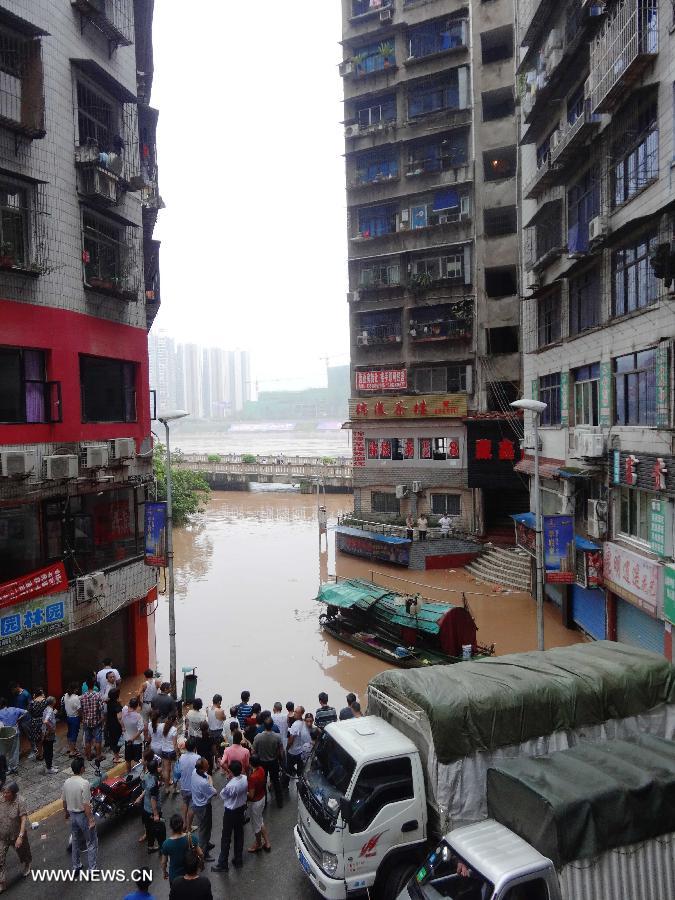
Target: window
x,y
549,393
497,44
446,504
501,281
21,82
377,113
25,394
635,151
98,120
108,389
583,204
391,448
498,164
546,234
502,340
436,37
499,221
376,221
379,328
103,528
384,503
19,540
585,301
534,889
586,383
576,103
374,58
378,785
435,95
634,513
361,7
444,448
439,155
439,379
380,275
635,285
446,206
105,254
498,104
548,319
635,388
379,165
13,226
429,269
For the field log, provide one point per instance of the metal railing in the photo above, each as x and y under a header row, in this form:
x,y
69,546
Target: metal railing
x,y
384,528
300,467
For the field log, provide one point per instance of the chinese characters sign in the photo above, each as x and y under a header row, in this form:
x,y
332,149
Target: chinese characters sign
x,y
358,450
559,549
662,392
382,380
605,393
427,406
660,527
21,623
632,576
50,580
155,534
669,593
564,398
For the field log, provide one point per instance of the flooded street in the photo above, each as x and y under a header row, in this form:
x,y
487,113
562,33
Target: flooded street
x,y
247,572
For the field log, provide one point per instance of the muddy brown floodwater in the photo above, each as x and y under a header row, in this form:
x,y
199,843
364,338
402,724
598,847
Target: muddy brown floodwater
x,y
247,573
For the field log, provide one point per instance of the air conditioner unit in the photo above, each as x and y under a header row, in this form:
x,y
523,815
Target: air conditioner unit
x,y
91,587
416,487
98,184
346,68
95,456
596,517
66,465
401,491
597,228
533,283
361,340
17,462
590,444
386,15
123,448
351,131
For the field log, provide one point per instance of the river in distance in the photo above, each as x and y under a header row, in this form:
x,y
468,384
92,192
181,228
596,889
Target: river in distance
x,y
247,572
330,441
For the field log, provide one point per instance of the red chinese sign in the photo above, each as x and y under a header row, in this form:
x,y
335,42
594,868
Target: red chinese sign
x,y
483,449
626,572
659,473
632,463
112,522
358,450
382,380
448,406
51,580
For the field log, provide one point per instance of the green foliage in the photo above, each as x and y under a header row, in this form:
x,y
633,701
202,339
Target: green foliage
x,y
328,460
189,490
249,458
214,458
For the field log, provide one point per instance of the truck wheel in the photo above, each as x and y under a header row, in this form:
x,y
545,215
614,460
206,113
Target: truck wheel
x,y
391,884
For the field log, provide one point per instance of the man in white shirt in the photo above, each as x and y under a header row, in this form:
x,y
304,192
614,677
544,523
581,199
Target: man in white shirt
x,y
132,725
299,737
234,796
185,768
76,799
280,719
444,524
147,693
101,674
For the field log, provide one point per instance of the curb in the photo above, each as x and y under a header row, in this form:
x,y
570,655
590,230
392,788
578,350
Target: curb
x,y
50,809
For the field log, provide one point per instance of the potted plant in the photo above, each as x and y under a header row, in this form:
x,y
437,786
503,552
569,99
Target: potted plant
x,y
7,258
357,60
386,51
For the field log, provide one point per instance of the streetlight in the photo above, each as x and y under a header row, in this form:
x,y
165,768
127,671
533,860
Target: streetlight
x,y
536,407
165,419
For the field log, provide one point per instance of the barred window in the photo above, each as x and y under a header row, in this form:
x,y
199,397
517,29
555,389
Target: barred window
x,y
635,152
585,301
549,393
635,388
548,322
635,285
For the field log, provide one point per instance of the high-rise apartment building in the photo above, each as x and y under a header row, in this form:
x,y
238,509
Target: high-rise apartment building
x,y
431,160
596,105
79,287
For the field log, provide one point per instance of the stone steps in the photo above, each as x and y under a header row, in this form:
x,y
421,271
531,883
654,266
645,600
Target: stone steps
x,y
510,568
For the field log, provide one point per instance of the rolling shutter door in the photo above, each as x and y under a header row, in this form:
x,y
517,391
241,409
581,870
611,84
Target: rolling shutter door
x,y
588,611
636,628
554,593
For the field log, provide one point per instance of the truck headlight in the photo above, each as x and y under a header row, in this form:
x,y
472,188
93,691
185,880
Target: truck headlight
x,y
329,863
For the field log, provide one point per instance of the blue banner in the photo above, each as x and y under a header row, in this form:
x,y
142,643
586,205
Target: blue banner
x,y
559,548
155,534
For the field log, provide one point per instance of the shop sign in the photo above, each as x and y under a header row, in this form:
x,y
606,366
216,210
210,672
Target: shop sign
x,y
669,593
616,467
605,393
25,623
559,549
155,534
50,580
631,576
660,527
564,398
591,568
358,450
662,386
382,380
428,406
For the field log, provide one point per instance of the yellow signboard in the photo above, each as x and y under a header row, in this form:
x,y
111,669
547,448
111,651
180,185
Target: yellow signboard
x,y
425,406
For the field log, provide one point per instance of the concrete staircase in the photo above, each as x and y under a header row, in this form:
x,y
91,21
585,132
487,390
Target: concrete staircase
x,y
509,568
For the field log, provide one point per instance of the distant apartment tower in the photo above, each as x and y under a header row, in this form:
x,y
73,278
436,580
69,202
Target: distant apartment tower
x,y
162,351
79,288
596,110
430,136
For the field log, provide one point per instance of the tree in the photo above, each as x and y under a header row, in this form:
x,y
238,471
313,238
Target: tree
x,y
189,490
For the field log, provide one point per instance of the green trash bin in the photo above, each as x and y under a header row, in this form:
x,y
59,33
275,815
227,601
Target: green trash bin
x,y
7,737
189,684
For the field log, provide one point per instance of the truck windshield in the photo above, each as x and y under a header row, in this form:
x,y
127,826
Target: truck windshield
x,y
326,780
445,875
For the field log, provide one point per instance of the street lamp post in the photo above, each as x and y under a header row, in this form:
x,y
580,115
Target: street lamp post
x,y
165,419
536,407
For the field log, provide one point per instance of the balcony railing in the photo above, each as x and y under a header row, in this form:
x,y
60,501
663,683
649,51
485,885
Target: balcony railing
x,y
542,179
113,18
436,37
572,138
444,328
627,42
369,7
376,335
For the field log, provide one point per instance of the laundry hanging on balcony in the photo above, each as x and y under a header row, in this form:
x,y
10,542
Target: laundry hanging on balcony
x,y
448,199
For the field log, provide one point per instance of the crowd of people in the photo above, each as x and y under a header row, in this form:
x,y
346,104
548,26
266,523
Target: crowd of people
x,y
187,756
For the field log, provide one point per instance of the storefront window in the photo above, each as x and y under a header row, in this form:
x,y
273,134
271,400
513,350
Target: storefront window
x,y
19,541
634,514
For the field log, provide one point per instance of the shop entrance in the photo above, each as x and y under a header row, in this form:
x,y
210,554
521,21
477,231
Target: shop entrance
x,y
83,651
498,507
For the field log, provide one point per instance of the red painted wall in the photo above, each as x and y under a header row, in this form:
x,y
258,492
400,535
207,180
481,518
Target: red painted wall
x,y
65,335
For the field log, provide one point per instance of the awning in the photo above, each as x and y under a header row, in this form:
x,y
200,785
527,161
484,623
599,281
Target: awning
x,y
527,519
447,199
371,535
587,546
548,468
579,471
105,80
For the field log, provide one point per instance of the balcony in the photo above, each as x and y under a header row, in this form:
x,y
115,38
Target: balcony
x,y
364,9
386,276
544,236
545,176
625,45
448,169
25,241
113,18
435,328
572,138
436,39
22,104
110,257
379,335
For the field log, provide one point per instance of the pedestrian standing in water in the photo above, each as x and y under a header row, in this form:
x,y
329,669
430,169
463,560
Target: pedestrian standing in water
x,y
49,735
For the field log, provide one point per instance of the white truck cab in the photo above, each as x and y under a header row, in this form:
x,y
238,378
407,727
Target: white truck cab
x,y
361,802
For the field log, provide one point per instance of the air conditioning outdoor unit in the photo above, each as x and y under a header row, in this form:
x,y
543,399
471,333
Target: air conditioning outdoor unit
x,y
351,131
91,587
95,456
597,228
123,448
596,516
401,491
590,444
346,68
416,487
361,340
66,465
94,181
17,462
386,15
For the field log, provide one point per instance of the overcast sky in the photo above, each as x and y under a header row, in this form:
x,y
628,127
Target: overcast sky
x,y
251,170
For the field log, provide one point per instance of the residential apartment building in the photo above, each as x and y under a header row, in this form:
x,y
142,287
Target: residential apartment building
x,y
431,162
596,112
79,288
